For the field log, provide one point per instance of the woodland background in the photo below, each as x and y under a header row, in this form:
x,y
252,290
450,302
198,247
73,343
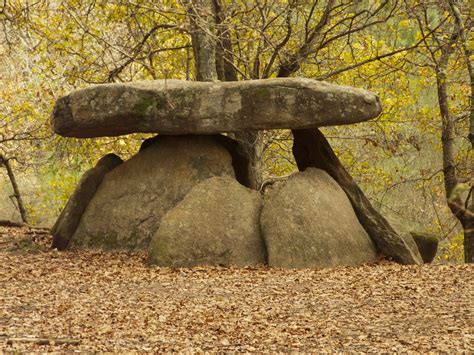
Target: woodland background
x,y
417,55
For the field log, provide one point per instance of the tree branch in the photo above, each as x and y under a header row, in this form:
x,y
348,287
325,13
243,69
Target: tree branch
x,y
379,57
136,51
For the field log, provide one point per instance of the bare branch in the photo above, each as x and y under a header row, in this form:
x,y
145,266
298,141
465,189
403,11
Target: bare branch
x,y
379,57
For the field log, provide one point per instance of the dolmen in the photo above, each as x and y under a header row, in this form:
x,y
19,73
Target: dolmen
x,y
184,197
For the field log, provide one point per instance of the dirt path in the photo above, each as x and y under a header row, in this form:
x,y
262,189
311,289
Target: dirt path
x,y
115,302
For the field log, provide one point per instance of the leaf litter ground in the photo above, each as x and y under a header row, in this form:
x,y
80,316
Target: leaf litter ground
x,y
114,302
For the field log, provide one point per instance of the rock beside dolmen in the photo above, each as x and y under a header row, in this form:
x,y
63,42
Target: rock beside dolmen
x,y
427,244
312,150
185,107
415,236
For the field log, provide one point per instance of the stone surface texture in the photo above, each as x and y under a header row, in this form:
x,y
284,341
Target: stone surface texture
x,y
185,107
308,221
127,208
217,223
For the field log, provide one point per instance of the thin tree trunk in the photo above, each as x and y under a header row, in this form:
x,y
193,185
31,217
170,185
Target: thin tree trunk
x,y
468,53
462,211
16,190
468,228
188,64
213,60
203,35
447,132
251,144
224,52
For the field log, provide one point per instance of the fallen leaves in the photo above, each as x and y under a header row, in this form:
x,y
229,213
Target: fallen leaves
x,y
115,302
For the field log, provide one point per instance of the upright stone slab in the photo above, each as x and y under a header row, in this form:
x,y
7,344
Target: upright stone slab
x,y
68,220
127,208
185,107
308,222
217,223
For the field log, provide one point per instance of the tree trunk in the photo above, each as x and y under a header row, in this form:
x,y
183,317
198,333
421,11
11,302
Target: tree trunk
x,y
251,144
447,133
467,219
213,60
203,34
468,229
224,52
468,53
311,149
16,190
462,211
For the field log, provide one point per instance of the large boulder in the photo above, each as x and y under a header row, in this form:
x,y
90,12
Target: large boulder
x,y
240,160
308,221
185,107
128,206
68,220
216,223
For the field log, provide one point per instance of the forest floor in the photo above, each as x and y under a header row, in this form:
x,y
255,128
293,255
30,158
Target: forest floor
x,y
97,301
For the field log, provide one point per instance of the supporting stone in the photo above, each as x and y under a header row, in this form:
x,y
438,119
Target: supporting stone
x,y
240,160
311,149
68,220
127,209
307,221
217,223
